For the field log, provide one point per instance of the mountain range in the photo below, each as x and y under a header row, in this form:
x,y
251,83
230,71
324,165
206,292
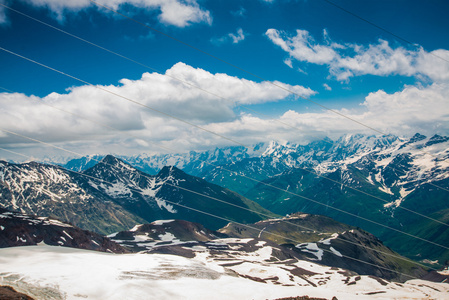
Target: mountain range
x,y
113,196
362,181
384,184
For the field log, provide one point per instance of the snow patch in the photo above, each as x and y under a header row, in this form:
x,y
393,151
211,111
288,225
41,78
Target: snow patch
x,y
328,240
135,228
311,248
160,222
168,236
335,252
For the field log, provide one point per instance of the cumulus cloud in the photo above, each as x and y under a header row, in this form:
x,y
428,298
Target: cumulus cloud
x,y
172,94
179,13
414,109
327,87
302,47
230,38
348,60
410,110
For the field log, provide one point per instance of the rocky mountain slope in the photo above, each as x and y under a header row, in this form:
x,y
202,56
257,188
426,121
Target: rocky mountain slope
x,y
24,230
113,196
383,185
300,237
51,191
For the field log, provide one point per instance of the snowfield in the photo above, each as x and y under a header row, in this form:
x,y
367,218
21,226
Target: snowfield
x,y
48,272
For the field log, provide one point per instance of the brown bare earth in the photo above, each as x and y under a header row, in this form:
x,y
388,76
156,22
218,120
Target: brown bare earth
x,y
8,293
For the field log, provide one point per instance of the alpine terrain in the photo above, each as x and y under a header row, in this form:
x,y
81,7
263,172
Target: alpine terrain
x,y
365,181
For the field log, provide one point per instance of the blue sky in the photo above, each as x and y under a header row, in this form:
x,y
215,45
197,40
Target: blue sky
x,y
311,48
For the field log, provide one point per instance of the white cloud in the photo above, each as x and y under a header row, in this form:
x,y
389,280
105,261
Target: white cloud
x,y
414,109
345,61
302,47
179,13
239,13
3,17
230,38
25,115
236,38
327,87
288,62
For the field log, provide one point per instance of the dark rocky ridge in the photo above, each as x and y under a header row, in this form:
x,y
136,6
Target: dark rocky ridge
x,y
8,293
23,230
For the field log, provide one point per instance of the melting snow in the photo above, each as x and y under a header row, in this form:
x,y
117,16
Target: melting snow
x,y
311,248
328,240
168,236
67,234
386,190
136,227
163,204
335,252
160,222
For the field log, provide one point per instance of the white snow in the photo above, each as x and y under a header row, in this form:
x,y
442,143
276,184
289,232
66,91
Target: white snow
x,y
168,236
311,248
80,274
260,243
386,190
112,235
328,240
163,204
67,234
445,271
134,229
160,222
335,252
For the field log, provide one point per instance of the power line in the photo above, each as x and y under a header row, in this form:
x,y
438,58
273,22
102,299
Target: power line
x,y
252,227
253,211
63,73
248,72
145,65
244,176
274,187
165,113
184,82
189,123
232,172
180,80
239,68
176,118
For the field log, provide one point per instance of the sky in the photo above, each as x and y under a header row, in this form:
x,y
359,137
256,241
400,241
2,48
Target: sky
x,y
135,77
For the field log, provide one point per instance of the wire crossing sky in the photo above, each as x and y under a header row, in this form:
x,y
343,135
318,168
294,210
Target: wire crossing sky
x,y
309,47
